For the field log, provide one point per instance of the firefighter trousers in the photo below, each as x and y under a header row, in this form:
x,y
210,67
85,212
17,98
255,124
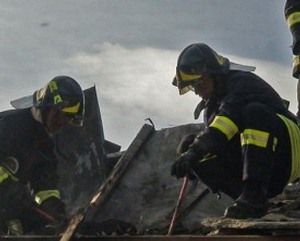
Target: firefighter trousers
x,y
262,152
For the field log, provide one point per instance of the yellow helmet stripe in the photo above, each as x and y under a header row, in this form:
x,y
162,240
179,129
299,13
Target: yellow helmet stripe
x,y
71,109
187,77
225,125
293,19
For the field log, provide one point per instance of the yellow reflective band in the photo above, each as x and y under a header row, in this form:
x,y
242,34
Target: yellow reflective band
x,y
225,125
254,137
3,174
188,77
294,134
296,60
71,109
293,19
41,196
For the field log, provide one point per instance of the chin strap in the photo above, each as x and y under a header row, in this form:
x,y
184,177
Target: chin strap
x,y
199,108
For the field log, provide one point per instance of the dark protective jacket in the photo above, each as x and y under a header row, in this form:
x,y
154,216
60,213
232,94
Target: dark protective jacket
x,y
238,89
292,16
25,138
260,133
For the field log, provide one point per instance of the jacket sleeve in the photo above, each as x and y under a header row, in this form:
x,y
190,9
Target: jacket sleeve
x,y
226,121
44,176
10,135
292,16
214,139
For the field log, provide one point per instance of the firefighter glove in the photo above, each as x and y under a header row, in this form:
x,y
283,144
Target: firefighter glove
x,y
184,163
55,208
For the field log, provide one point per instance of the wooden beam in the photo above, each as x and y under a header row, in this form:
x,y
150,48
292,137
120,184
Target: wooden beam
x,y
109,184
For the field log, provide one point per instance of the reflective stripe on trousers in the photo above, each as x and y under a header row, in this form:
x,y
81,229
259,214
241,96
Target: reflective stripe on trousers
x,y
294,133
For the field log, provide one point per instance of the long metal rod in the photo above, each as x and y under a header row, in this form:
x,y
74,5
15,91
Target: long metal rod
x,y
178,204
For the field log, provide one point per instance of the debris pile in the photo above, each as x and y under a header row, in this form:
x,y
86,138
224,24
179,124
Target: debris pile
x,y
140,195
146,194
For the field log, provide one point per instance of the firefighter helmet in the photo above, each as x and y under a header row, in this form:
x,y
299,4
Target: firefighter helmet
x,y
64,93
199,59
196,60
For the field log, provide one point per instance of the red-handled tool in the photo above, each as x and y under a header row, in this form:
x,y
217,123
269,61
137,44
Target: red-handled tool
x,y
178,204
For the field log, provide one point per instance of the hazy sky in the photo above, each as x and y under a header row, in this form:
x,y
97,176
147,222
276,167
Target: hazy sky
x,y
129,48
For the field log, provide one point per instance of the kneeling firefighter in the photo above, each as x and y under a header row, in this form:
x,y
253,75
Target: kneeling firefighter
x,y
28,166
249,148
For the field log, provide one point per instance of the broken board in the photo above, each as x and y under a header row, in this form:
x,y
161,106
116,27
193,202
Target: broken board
x,y
110,182
271,224
146,195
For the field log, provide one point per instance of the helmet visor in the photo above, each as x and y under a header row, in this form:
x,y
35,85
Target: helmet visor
x,y
184,80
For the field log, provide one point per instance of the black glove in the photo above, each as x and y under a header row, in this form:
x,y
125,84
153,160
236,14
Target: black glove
x,y
55,208
183,164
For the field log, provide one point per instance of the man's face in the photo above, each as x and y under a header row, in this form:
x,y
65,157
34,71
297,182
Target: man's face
x,y
204,87
56,120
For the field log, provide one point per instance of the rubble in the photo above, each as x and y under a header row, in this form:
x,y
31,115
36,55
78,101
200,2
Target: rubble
x,y
146,195
143,198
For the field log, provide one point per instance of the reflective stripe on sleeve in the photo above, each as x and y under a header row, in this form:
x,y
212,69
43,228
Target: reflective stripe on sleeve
x,y
296,60
255,137
293,19
41,196
225,125
4,174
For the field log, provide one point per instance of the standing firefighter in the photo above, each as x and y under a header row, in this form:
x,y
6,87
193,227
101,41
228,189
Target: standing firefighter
x,y
292,16
28,167
249,148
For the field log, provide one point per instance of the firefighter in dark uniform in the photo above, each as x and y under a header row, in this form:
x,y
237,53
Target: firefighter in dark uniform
x,y
28,166
292,16
249,148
